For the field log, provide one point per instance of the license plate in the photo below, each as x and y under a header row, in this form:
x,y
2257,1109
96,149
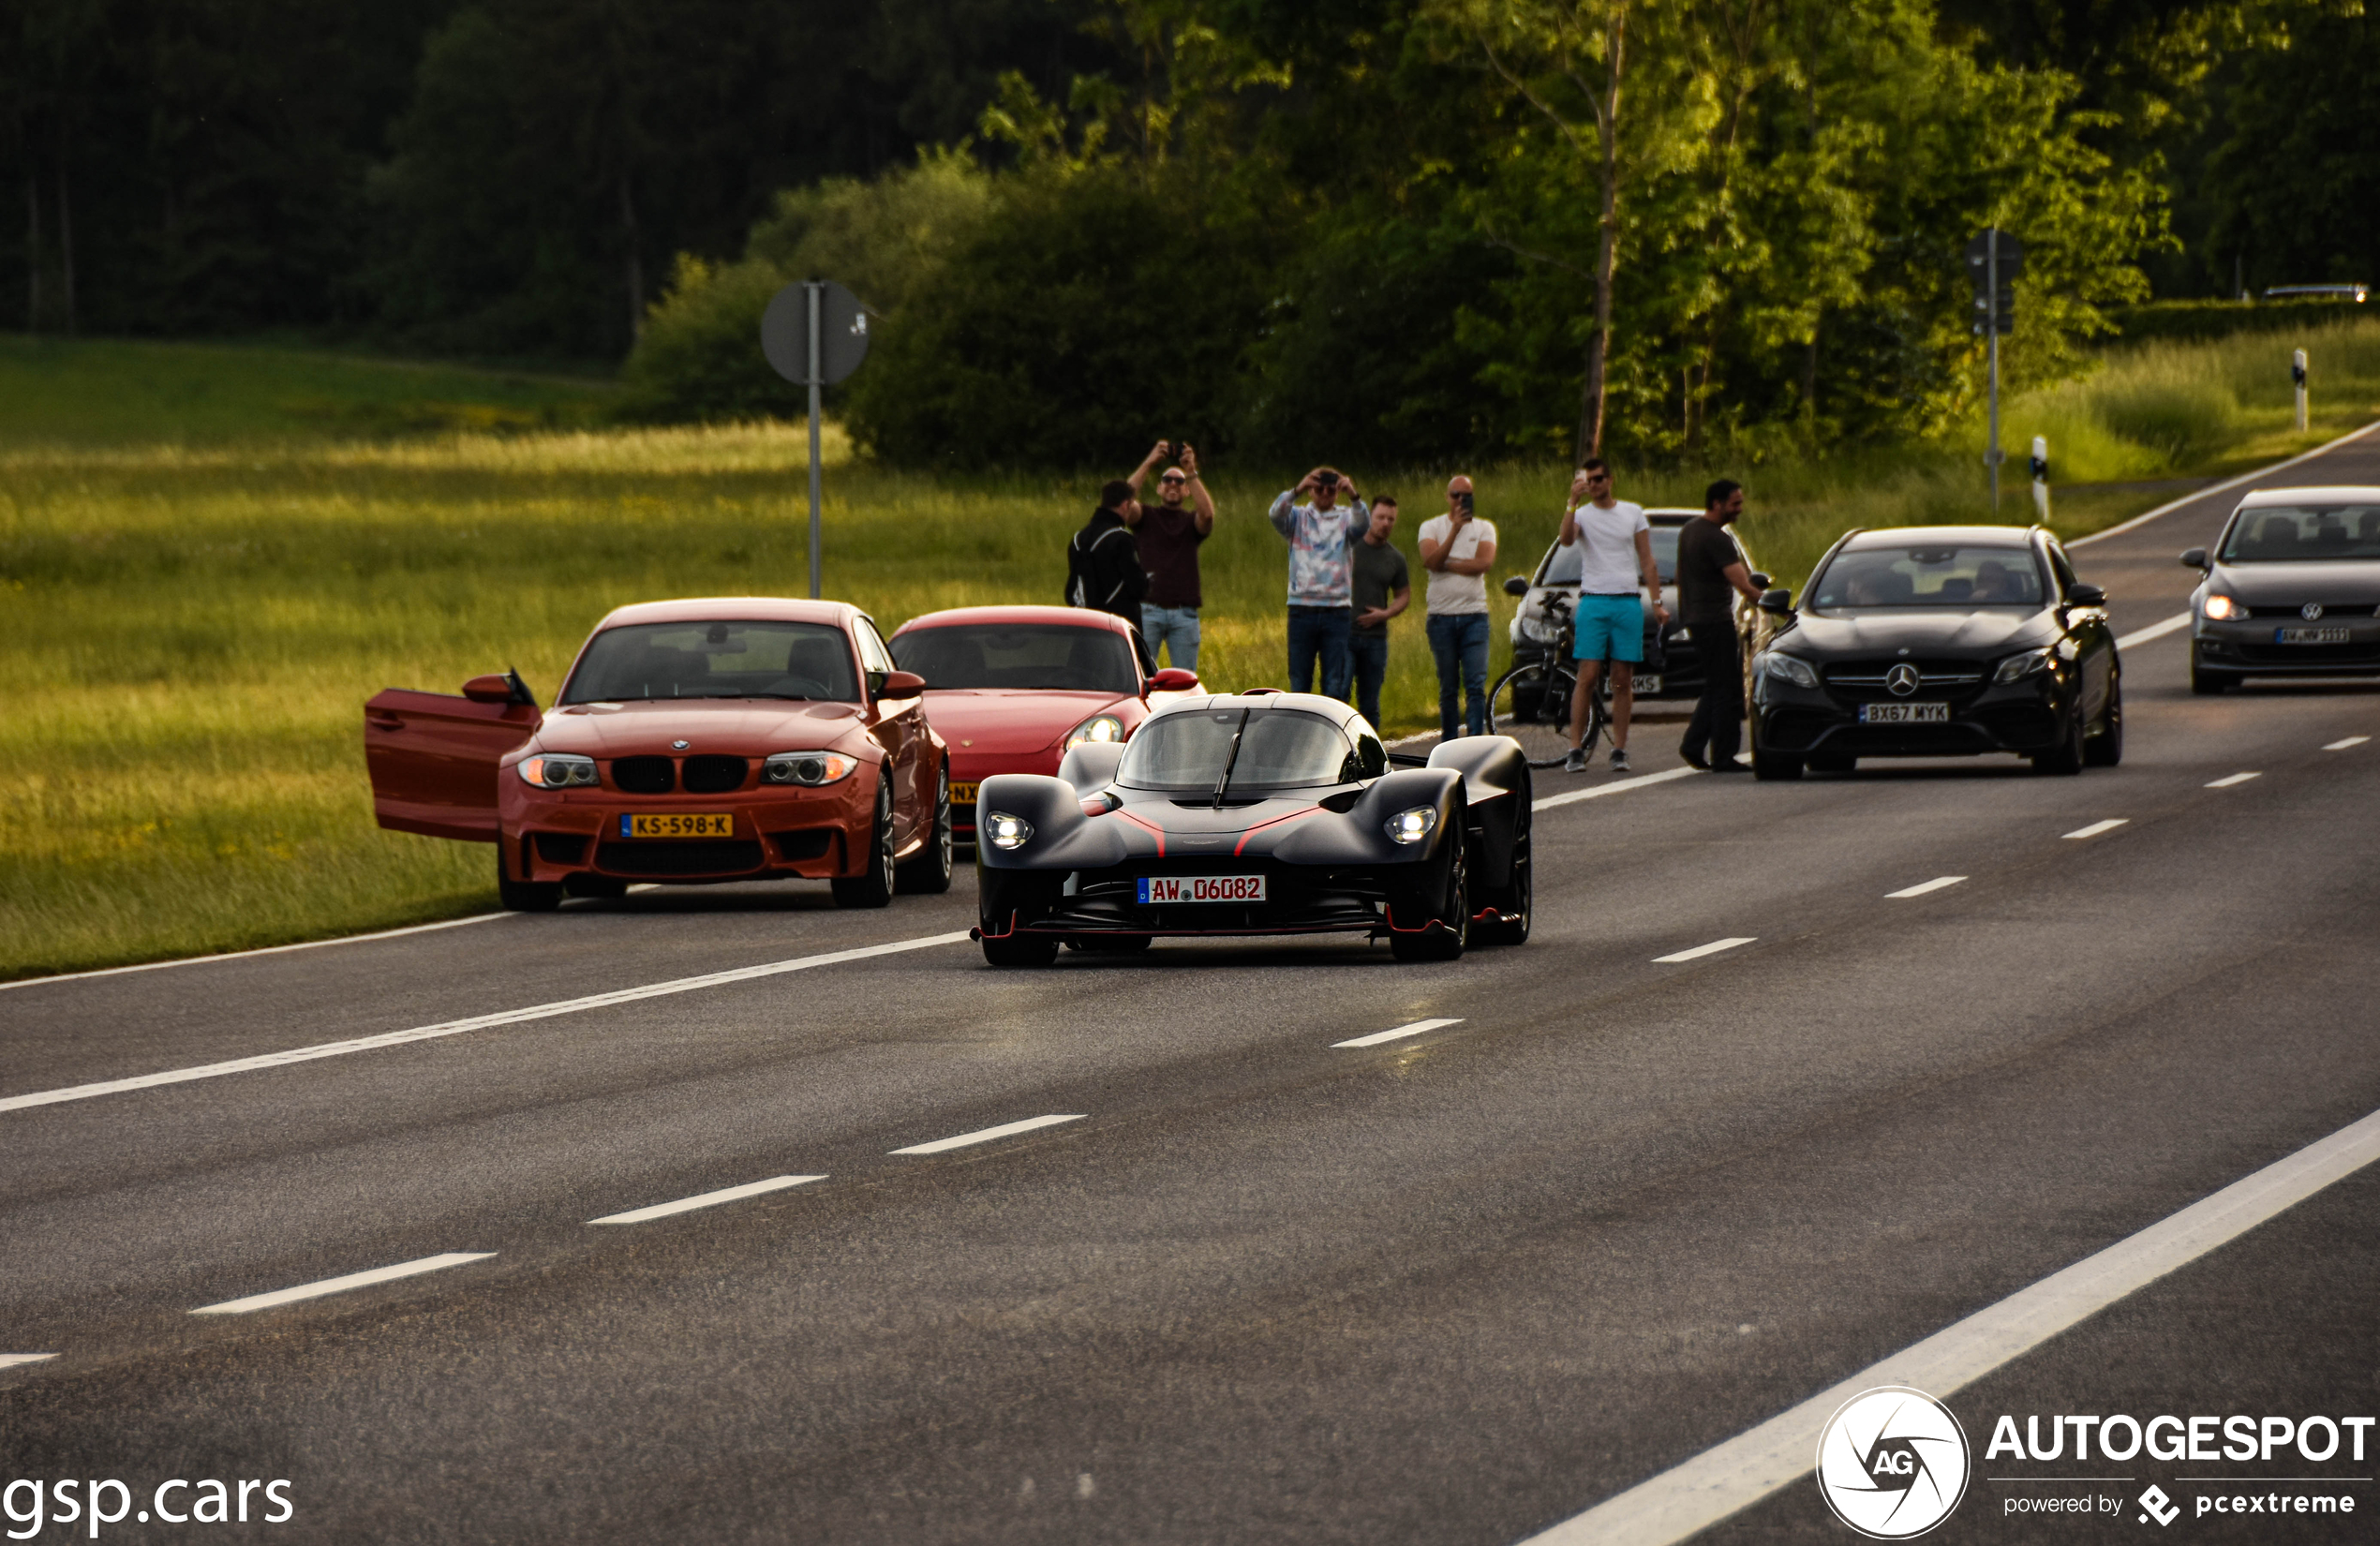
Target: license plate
x,y
684,824
1648,684
1904,713
963,793
2309,635
1168,890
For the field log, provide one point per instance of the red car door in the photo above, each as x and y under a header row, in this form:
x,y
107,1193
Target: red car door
x,y
433,760
899,724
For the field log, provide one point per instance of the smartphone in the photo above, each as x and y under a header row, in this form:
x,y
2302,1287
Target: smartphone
x,y
1463,500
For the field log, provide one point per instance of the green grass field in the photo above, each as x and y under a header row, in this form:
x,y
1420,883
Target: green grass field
x,y
211,555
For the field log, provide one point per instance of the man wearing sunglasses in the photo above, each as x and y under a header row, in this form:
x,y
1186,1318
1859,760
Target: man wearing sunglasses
x,y
1170,532
1616,556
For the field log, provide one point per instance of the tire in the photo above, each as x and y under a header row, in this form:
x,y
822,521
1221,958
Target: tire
x,y
929,873
524,896
606,887
1443,943
2106,749
1770,767
2065,759
1021,950
875,888
1515,899
2208,683
1111,945
1530,705
1832,762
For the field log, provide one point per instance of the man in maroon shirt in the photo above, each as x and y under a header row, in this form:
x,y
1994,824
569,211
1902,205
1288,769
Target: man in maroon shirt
x,y
1171,530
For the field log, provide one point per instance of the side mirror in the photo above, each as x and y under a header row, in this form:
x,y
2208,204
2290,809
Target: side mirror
x,y
494,687
2086,595
1174,679
901,684
1759,580
1517,585
1778,604
2195,558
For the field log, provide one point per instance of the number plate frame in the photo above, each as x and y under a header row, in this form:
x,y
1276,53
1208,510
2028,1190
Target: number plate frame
x,y
1904,713
2311,635
678,825
1201,890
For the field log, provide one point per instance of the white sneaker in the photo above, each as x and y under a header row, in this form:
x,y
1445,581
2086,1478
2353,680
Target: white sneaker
x,y
1619,759
1575,762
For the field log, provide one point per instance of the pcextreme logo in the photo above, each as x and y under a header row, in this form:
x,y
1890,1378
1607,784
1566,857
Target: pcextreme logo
x,y
1891,1463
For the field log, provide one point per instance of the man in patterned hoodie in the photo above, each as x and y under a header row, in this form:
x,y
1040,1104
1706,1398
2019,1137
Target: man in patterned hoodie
x,y
1321,575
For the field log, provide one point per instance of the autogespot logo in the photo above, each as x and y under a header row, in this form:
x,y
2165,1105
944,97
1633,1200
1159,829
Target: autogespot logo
x,y
1891,1463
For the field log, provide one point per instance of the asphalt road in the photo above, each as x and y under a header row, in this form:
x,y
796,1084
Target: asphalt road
x,y
1460,1286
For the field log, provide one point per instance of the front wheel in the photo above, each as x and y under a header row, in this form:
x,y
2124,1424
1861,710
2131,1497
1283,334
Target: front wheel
x,y
873,888
929,872
1532,705
1445,941
2065,759
1773,767
524,896
1515,899
2106,749
1021,950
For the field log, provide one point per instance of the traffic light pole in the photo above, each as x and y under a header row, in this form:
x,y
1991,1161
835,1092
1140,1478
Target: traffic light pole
x,y
813,293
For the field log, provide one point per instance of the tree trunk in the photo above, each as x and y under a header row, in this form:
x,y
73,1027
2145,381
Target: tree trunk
x,y
634,272
32,252
66,236
1599,346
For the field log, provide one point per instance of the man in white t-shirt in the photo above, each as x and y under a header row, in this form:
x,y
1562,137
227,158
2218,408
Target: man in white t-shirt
x,y
1457,550
1616,553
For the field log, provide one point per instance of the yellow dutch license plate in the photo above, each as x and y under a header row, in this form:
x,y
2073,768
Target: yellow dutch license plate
x,y
963,793
683,823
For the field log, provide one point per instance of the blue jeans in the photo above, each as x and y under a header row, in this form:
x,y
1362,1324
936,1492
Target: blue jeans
x,y
1320,631
1371,658
1177,624
1460,641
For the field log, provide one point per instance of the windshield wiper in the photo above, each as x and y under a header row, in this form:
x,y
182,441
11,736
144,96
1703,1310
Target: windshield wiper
x,y
1231,761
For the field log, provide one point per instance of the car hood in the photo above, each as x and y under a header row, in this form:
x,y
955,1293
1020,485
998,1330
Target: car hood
x,y
2280,584
747,727
991,721
1943,632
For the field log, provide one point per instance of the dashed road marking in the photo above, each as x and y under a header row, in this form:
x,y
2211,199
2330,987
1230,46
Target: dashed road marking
x,y
985,1135
706,1199
1923,887
2236,778
340,1285
1711,949
2154,631
1638,781
1377,1038
2342,746
2097,827
9,1361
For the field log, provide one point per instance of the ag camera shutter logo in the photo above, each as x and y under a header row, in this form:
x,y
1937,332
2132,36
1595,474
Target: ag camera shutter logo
x,y
1891,1463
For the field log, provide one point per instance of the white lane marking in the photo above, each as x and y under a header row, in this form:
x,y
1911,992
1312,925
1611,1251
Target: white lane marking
x,y
1919,890
2154,631
1777,1453
1711,949
1377,1038
2097,827
1633,782
9,1361
244,955
2236,778
985,1135
340,1285
477,1022
2342,746
2228,484
706,1199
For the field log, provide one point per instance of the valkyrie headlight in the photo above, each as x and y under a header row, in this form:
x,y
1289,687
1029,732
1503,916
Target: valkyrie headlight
x,y
1411,826
1005,832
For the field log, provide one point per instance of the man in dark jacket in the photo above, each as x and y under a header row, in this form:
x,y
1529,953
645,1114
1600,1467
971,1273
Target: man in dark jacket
x,y
1103,562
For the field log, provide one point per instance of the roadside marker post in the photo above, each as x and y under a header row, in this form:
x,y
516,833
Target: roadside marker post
x,y
2041,478
814,334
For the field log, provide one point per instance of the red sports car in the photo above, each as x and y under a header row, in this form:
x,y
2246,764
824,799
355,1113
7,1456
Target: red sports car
x,y
1014,688
733,739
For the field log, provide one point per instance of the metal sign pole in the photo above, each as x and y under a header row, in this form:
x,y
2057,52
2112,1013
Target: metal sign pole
x,y
811,293
1991,340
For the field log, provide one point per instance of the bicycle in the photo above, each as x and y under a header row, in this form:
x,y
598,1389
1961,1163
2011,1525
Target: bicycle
x,y
1532,703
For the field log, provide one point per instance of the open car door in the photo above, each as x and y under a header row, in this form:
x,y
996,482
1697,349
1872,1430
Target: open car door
x,y
433,758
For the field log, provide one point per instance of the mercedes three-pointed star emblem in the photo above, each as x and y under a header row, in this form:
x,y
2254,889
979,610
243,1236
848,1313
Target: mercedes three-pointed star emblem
x,y
1902,679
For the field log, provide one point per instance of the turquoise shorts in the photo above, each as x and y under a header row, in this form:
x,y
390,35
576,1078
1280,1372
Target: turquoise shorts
x,y
1610,628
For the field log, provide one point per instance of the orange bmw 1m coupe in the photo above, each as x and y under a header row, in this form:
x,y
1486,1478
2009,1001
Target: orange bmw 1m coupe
x,y
694,742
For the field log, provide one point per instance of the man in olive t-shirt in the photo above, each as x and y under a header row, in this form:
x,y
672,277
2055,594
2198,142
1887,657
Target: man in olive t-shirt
x,y
1381,589
1711,573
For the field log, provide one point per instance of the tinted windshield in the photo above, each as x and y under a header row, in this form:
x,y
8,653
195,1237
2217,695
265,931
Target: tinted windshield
x,y
1929,577
715,660
2291,534
1561,566
1018,655
1280,747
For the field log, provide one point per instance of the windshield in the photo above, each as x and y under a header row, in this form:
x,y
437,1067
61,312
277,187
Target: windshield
x,y
1561,566
2310,534
1929,577
1280,746
1019,656
715,660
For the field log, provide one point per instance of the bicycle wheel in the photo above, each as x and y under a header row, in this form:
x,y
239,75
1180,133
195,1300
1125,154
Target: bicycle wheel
x,y
1532,705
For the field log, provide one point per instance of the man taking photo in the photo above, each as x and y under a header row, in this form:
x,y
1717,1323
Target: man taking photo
x,y
1321,617
1103,562
1711,573
1616,553
1169,532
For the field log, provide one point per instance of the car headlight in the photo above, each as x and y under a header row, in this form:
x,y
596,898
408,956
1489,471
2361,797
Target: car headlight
x,y
1101,728
1791,668
1006,832
807,767
1411,826
557,770
2220,607
2017,667
1533,630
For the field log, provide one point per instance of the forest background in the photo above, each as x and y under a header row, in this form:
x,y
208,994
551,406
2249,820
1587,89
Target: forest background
x,y
1367,230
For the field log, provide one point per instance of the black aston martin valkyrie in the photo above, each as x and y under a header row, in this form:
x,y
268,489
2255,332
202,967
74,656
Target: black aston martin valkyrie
x,y
1255,814
1938,641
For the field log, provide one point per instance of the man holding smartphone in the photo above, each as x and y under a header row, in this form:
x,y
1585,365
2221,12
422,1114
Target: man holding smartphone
x,y
1458,549
1616,553
1169,532
1321,575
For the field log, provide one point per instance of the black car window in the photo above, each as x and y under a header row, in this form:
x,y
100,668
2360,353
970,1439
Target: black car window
x,y
1281,748
1019,656
1926,576
715,660
2065,571
2302,534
